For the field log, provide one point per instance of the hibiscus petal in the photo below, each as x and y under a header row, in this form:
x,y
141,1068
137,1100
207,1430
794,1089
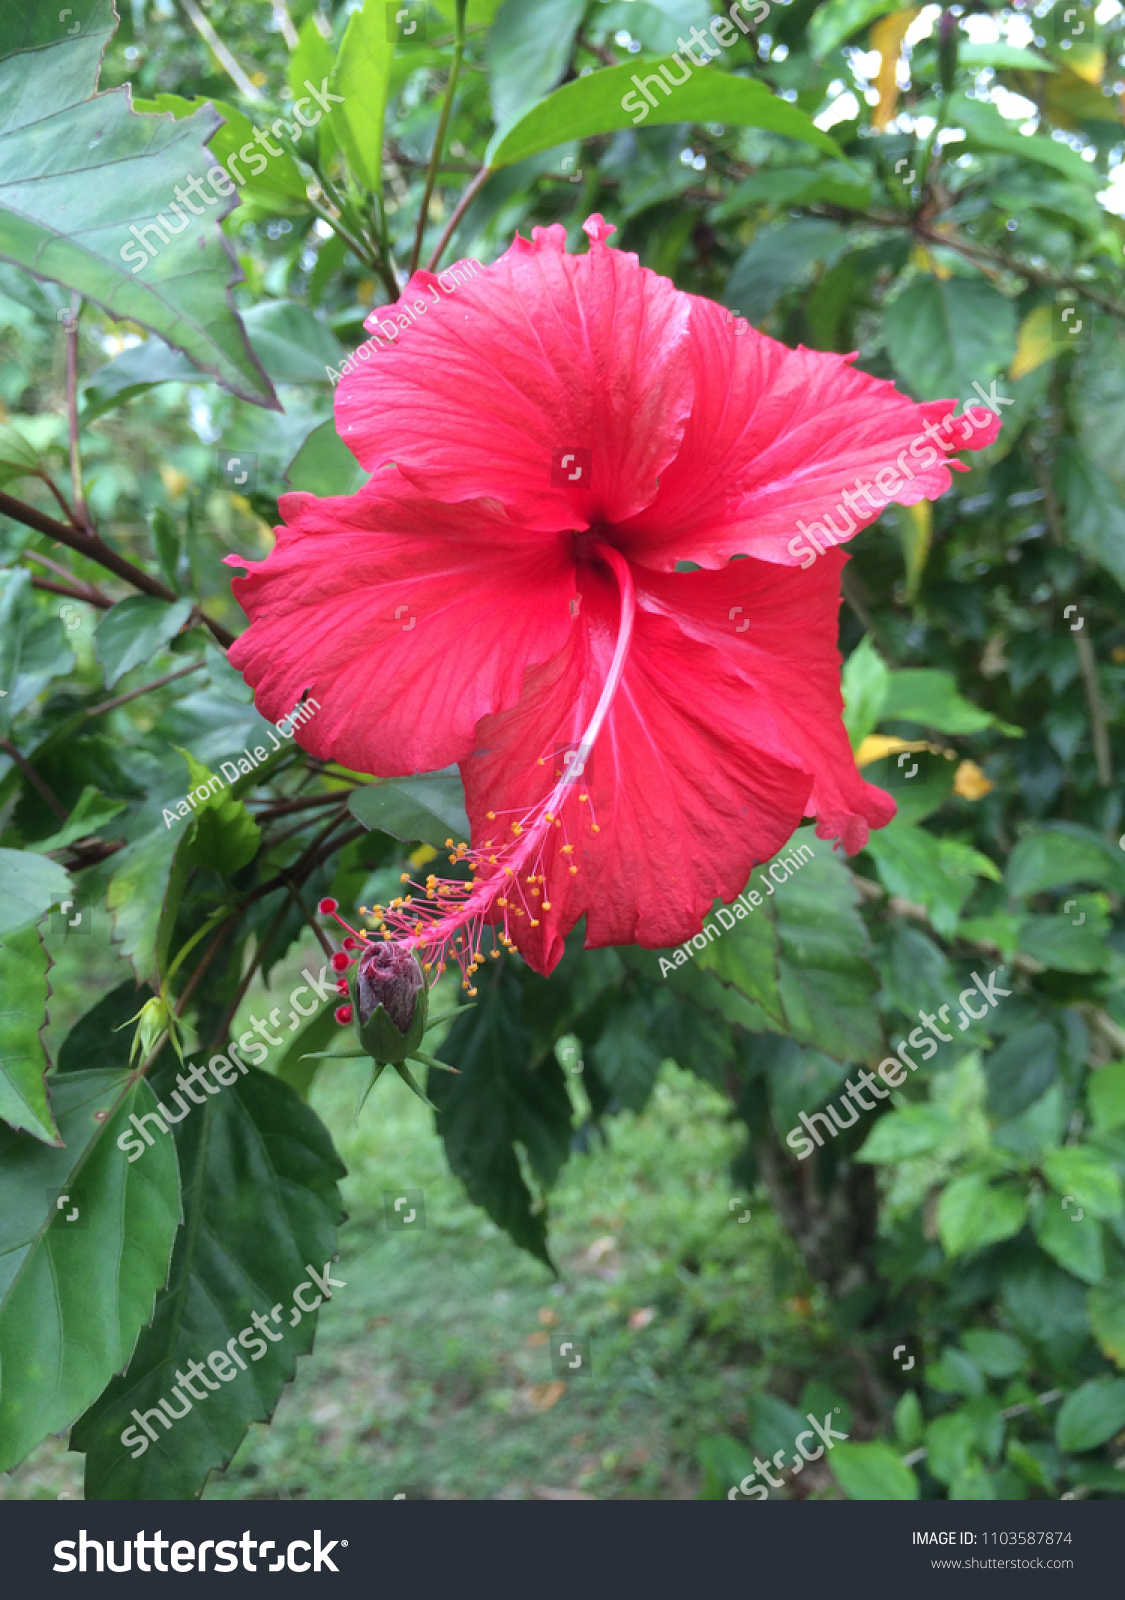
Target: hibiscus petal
x,y
776,438
540,355
406,619
685,801
776,628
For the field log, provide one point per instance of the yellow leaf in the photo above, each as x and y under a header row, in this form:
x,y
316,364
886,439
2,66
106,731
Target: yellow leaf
x,y
174,481
424,853
917,532
1088,61
886,37
1034,345
921,257
878,745
970,782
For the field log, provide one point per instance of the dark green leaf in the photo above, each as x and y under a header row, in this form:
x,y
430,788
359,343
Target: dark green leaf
x,y
946,334
430,808
134,631
23,1014
29,886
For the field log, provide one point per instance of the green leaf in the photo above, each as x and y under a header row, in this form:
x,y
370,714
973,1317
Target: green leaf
x,y
1105,1094
1021,1069
23,1014
134,630
1074,1242
913,1131
1090,1177
318,1033
144,896
778,259
973,1213
33,647
872,1472
1095,514
29,886
834,24
945,334
595,104
292,345
74,1296
99,1039
527,52
866,681
995,1353
261,1205
19,458
430,808
931,698
361,76
498,1102
988,130
324,465
1063,853
276,186
1106,1304
1091,1415
626,1056
1001,54
745,956
1059,944
79,167
90,813
939,874
224,836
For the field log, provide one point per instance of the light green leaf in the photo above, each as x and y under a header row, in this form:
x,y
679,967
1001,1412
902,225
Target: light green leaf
x,y
988,130
835,23
1059,944
430,808
78,168
939,874
1090,1177
324,465
1106,1305
872,1472
921,694
224,836
866,681
29,886
277,182
144,896
944,334
134,631
33,647
1000,54
973,1213
1091,1415
75,1294
1095,514
1063,853
527,52
913,1131
1105,1093
1074,1242
596,104
995,1353
361,75
23,1014
292,345
91,813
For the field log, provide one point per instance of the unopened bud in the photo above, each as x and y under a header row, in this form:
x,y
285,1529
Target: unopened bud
x,y
391,1001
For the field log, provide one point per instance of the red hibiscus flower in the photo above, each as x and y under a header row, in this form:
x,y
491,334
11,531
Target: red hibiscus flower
x,y
550,439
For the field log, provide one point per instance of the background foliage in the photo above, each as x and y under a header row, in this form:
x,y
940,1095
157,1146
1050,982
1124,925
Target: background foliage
x,y
942,193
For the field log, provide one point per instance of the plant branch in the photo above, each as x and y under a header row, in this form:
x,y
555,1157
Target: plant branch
x,y
134,694
1098,729
207,33
439,138
34,779
82,590
466,200
81,514
96,549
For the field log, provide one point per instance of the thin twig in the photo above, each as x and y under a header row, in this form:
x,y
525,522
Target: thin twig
x,y
439,138
459,210
90,592
51,587
1098,729
282,808
189,989
34,779
95,548
222,54
133,694
81,510
307,913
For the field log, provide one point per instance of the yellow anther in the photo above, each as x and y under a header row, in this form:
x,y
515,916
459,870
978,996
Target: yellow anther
x,y
534,923
491,815
546,905
516,829
405,878
574,872
567,849
595,827
449,844
583,798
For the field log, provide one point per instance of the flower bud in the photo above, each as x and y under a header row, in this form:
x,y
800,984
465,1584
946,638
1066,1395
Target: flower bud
x,y
390,1000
